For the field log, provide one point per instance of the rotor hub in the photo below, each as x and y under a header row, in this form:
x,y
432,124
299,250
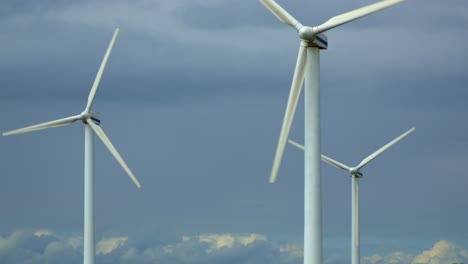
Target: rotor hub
x,y
355,173
309,35
90,116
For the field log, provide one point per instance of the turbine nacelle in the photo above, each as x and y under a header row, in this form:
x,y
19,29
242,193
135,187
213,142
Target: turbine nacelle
x,y
355,172
311,36
86,116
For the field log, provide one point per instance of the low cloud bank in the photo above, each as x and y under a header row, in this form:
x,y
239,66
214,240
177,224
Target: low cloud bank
x,y
45,246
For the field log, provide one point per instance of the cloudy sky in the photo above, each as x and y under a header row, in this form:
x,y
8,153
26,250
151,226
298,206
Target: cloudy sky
x,y
193,97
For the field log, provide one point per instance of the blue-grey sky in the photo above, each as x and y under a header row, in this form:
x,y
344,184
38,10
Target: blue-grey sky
x,y
193,98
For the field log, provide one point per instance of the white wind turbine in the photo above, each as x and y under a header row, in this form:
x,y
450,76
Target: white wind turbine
x,y
91,122
355,173
308,67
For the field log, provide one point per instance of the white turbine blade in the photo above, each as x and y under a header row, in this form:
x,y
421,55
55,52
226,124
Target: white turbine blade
x,y
335,163
324,158
355,14
296,88
294,143
50,124
280,13
92,93
98,130
382,149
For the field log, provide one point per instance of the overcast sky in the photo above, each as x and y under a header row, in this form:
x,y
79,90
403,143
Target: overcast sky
x,y
193,98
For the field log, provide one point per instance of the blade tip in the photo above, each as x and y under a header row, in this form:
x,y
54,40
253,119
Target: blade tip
x,y
9,133
135,181
411,130
272,178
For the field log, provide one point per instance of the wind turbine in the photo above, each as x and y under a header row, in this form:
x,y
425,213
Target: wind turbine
x,y
91,122
307,66
355,173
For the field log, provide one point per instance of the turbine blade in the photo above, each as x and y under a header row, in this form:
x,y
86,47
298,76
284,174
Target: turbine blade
x,y
324,158
355,14
335,163
98,130
296,88
382,149
280,13
294,143
50,124
92,93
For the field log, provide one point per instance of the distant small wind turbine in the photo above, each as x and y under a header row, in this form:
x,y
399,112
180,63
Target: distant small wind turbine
x,y
355,173
91,122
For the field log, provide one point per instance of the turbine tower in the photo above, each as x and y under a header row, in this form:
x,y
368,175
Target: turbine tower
x,y
308,67
91,122
355,173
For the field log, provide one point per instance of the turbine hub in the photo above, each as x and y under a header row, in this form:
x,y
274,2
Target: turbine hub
x,y
84,115
355,173
87,116
309,35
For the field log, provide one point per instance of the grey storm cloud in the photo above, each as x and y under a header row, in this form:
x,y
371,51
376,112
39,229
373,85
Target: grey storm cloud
x,y
179,38
193,97
221,15
24,7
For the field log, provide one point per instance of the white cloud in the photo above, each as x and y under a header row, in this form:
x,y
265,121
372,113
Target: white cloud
x,y
229,240
217,248
398,257
441,253
41,233
75,242
8,242
44,246
106,246
129,255
292,249
218,241
246,240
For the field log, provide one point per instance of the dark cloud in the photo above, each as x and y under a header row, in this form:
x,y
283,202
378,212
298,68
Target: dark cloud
x,y
221,15
193,97
11,8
